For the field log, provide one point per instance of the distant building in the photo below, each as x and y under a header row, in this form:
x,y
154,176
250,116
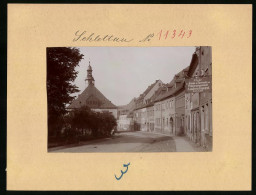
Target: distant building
x,y
125,116
92,97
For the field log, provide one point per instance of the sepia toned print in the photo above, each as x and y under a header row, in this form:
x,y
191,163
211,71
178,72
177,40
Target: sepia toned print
x,y
166,116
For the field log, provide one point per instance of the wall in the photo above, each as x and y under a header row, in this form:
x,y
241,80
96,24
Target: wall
x,y
150,118
124,123
157,116
143,119
180,112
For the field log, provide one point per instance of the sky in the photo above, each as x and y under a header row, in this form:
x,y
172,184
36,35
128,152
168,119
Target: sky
x,y
122,73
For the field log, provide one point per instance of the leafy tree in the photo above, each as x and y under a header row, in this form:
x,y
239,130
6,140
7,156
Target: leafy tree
x,y
61,64
81,118
100,123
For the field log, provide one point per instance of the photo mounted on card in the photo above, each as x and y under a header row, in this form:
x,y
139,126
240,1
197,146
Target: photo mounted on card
x,y
161,101
129,97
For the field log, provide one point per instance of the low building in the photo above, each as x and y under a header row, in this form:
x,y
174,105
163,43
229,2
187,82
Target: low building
x,y
125,116
124,123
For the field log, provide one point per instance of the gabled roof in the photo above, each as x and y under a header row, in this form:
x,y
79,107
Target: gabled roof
x,y
93,93
193,65
161,95
172,90
149,88
181,74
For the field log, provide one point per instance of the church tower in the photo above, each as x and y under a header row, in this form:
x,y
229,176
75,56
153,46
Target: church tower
x,y
92,97
89,80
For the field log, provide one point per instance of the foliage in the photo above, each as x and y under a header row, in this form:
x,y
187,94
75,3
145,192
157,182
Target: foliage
x,y
61,64
100,123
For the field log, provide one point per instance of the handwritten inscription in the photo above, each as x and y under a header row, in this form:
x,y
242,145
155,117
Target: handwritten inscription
x,y
174,33
123,172
161,35
84,36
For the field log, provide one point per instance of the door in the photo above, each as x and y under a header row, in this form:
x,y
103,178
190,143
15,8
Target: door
x,y
171,125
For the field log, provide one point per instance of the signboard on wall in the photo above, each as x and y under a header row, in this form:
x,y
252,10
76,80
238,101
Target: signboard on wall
x,y
198,84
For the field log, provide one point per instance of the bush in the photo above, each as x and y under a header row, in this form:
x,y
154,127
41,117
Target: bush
x,y
100,124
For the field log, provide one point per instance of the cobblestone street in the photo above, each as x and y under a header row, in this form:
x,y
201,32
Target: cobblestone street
x,y
132,142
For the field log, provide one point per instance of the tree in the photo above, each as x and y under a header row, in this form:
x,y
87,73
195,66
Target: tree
x,y
61,64
100,123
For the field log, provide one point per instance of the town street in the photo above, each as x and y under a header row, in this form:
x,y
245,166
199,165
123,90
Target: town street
x,y
132,142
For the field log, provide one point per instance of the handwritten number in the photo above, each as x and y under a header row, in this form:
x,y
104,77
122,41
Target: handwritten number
x,y
174,34
190,32
117,178
160,34
166,34
181,34
124,165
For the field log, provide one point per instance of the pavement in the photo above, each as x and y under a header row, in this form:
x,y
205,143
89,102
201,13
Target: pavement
x,y
184,145
137,141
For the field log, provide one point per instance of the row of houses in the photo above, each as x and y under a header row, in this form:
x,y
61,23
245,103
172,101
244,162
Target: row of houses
x,y
170,109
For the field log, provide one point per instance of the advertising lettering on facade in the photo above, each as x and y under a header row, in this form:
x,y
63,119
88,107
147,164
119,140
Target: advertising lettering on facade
x,y
198,85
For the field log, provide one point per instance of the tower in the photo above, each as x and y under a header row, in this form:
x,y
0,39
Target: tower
x,y
89,79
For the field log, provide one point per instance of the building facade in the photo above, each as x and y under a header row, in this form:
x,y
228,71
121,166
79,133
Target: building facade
x,y
125,116
198,110
144,106
93,98
205,62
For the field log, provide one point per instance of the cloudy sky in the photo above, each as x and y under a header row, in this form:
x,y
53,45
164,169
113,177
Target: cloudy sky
x,y
122,73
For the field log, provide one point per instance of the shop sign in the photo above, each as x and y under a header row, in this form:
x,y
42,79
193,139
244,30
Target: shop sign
x,y
198,85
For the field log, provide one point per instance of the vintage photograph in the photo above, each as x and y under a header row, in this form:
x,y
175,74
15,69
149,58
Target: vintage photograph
x,y
129,99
